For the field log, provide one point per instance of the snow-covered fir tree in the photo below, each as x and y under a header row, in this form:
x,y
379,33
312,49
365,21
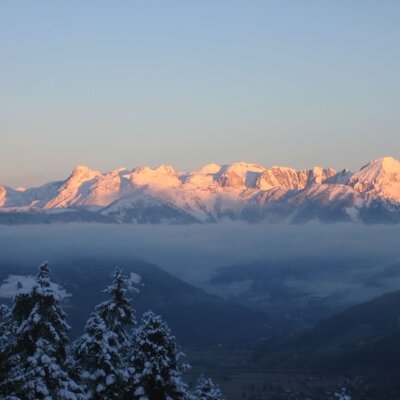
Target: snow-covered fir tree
x,y
5,332
206,389
33,352
117,312
342,395
97,361
155,358
99,356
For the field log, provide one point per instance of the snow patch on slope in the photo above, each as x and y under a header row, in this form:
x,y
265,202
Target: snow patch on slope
x,y
134,282
17,284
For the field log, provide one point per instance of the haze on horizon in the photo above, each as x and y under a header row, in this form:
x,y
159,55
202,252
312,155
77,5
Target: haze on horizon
x,y
188,83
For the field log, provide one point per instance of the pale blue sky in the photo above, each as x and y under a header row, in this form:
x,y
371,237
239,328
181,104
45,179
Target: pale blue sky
x,y
126,83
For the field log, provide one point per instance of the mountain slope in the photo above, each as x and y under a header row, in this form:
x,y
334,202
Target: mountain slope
x,y
379,178
365,335
366,322
361,343
196,317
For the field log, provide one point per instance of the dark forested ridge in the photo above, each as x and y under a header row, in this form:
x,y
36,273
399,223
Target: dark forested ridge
x,y
196,317
361,344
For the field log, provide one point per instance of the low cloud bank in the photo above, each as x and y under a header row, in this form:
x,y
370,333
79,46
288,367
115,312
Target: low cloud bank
x,y
192,252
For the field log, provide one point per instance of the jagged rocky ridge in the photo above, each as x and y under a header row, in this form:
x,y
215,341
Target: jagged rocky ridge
x,y
240,191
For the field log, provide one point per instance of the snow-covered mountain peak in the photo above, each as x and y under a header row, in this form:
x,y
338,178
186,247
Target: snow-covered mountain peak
x,y
240,175
388,161
118,171
291,179
143,169
341,178
165,169
82,172
381,165
279,177
379,177
162,176
208,169
3,195
243,167
68,192
203,177
318,175
282,168
79,175
161,170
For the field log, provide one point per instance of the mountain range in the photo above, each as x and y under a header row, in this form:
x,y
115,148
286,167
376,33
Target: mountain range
x,y
239,191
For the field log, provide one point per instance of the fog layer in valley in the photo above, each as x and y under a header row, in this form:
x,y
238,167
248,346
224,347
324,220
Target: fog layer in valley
x,y
193,252
297,274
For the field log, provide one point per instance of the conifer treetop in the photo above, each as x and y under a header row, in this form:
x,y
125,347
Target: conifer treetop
x,y
206,389
117,311
42,277
37,345
156,360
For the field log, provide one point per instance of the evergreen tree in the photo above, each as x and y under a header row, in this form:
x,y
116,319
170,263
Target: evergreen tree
x,y
34,337
5,332
98,362
98,355
207,390
342,395
156,360
117,312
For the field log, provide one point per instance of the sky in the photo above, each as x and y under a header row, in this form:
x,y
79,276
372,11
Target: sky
x,y
127,83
